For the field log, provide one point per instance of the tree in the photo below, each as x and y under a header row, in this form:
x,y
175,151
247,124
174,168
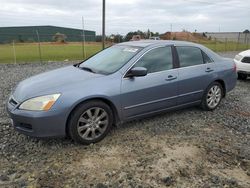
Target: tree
x,y
246,31
117,38
204,35
59,37
129,35
148,34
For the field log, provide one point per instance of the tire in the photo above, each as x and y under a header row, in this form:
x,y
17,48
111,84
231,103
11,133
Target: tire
x,y
242,76
212,96
90,122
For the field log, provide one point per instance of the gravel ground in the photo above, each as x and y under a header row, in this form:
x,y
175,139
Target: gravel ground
x,y
186,148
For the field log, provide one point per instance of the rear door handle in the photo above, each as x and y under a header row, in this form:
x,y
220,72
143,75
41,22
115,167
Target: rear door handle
x,y
171,77
209,69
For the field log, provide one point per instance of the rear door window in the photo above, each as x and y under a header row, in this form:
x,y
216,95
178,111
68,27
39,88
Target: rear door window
x,y
189,56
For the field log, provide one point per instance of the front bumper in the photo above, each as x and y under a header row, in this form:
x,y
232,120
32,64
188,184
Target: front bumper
x,y
243,72
37,123
243,68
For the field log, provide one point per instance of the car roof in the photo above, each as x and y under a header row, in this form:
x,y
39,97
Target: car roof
x,y
245,53
147,43
152,43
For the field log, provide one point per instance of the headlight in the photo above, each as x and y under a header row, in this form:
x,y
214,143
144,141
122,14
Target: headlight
x,y
43,103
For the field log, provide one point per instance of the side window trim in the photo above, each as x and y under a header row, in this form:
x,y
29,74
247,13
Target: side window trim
x,y
203,55
173,60
178,60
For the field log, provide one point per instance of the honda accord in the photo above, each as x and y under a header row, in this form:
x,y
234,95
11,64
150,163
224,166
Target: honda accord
x,y
126,81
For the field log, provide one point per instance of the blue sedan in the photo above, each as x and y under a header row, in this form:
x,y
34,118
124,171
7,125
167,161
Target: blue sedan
x,y
124,82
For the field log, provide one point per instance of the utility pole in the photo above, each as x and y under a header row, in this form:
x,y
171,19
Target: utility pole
x,y
171,27
103,24
39,46
14,50
83,39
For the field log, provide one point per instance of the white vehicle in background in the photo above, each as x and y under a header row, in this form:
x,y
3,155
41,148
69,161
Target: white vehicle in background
x,y
242,61
154,38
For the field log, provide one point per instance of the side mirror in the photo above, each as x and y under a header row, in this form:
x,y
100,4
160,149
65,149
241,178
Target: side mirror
x,y
137,72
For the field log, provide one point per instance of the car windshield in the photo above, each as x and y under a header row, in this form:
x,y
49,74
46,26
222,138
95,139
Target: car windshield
x,y
109,60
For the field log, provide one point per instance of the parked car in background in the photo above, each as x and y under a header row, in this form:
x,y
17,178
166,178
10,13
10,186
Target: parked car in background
x,y
242,61
154,38
127,81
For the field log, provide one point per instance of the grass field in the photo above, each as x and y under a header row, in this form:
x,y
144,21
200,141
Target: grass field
x,y
29,52
224,47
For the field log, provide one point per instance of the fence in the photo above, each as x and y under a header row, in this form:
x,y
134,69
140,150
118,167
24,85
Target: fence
x,y
228,41
238,37
65,50
53,48
225,44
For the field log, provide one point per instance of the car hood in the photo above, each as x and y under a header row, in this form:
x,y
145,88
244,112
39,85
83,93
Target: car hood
x,y
51,82
245,53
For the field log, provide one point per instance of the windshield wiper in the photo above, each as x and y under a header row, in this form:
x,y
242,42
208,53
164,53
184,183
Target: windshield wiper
x,y
87,69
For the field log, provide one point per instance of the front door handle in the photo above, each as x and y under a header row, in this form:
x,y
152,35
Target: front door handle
x,y
171,77
209,69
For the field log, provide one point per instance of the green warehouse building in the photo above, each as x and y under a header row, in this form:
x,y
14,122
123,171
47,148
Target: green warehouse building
x,y
46,34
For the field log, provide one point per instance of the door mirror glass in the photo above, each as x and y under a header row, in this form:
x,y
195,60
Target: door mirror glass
x,y
137,72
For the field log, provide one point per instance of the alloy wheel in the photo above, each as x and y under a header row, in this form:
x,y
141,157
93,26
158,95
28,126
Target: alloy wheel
x,y
92,123
214,96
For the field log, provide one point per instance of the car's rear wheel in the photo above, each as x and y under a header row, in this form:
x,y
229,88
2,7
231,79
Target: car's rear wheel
x,y
90,122
212,96
242,76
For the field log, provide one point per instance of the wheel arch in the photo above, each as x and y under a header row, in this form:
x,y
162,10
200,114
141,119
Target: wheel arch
x,y
102,99
220,81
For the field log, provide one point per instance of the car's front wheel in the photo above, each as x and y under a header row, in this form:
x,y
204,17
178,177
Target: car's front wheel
x,y
90,122
212,96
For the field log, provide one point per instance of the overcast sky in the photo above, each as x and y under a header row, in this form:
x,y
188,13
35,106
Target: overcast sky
x,y
129,15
